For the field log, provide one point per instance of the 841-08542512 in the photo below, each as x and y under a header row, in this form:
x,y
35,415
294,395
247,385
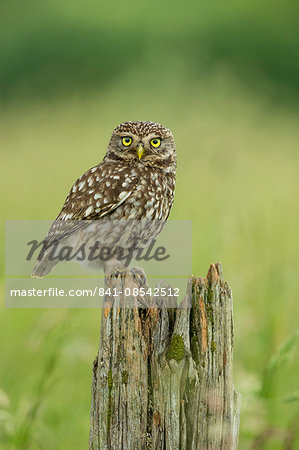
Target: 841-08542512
x,y
139,291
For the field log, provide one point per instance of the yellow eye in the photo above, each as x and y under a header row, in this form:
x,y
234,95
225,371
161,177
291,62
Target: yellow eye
x,y
126,141
155,142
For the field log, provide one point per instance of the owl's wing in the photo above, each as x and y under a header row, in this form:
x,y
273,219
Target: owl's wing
x,y
93,196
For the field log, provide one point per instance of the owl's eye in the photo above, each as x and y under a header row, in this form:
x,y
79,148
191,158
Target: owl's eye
x,y
155,142
126,141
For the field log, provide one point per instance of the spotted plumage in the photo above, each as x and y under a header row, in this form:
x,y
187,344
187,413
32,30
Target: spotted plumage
x,y
135,180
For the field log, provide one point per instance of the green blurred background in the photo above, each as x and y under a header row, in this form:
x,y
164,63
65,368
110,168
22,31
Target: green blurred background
x,y
224,76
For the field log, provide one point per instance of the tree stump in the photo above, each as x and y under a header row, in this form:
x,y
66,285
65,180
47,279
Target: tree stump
x,y
163,377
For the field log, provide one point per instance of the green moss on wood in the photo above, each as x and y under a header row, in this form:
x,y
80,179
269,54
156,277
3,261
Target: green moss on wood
x,y
110,381
210,312
194,348
210,294
124,377
210,315
177,349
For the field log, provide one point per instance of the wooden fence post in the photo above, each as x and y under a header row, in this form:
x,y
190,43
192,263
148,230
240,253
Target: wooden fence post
x,y
163,378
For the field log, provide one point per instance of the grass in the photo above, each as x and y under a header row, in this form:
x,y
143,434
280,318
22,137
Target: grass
x,y
238,182
52,47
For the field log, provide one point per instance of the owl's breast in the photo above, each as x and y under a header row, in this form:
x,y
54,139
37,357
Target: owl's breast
x,y
151,199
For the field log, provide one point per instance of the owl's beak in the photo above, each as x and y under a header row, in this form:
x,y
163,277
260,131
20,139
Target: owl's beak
x,y
139,151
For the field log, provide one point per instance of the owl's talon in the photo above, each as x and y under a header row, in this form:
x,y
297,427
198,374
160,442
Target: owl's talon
x,y
114,269
139,275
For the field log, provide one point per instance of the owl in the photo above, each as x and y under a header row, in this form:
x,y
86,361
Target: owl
x,y
135,183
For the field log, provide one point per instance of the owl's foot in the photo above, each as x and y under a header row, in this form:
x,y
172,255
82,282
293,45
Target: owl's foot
x,y
138,276
114,270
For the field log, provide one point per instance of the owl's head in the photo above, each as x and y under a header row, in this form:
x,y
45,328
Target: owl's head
x,y
145,143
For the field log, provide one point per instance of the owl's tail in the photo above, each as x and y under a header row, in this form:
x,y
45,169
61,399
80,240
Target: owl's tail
x,y
43,267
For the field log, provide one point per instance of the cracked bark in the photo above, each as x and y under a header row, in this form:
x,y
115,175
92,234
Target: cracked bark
x,y
163,378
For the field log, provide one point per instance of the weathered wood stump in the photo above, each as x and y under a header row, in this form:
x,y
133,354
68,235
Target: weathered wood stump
x,y
163,377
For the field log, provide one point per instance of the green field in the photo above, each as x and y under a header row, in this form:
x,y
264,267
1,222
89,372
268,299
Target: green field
x,y
237,139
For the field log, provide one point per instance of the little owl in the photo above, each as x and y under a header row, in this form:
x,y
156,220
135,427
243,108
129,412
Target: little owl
x,y
135,181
